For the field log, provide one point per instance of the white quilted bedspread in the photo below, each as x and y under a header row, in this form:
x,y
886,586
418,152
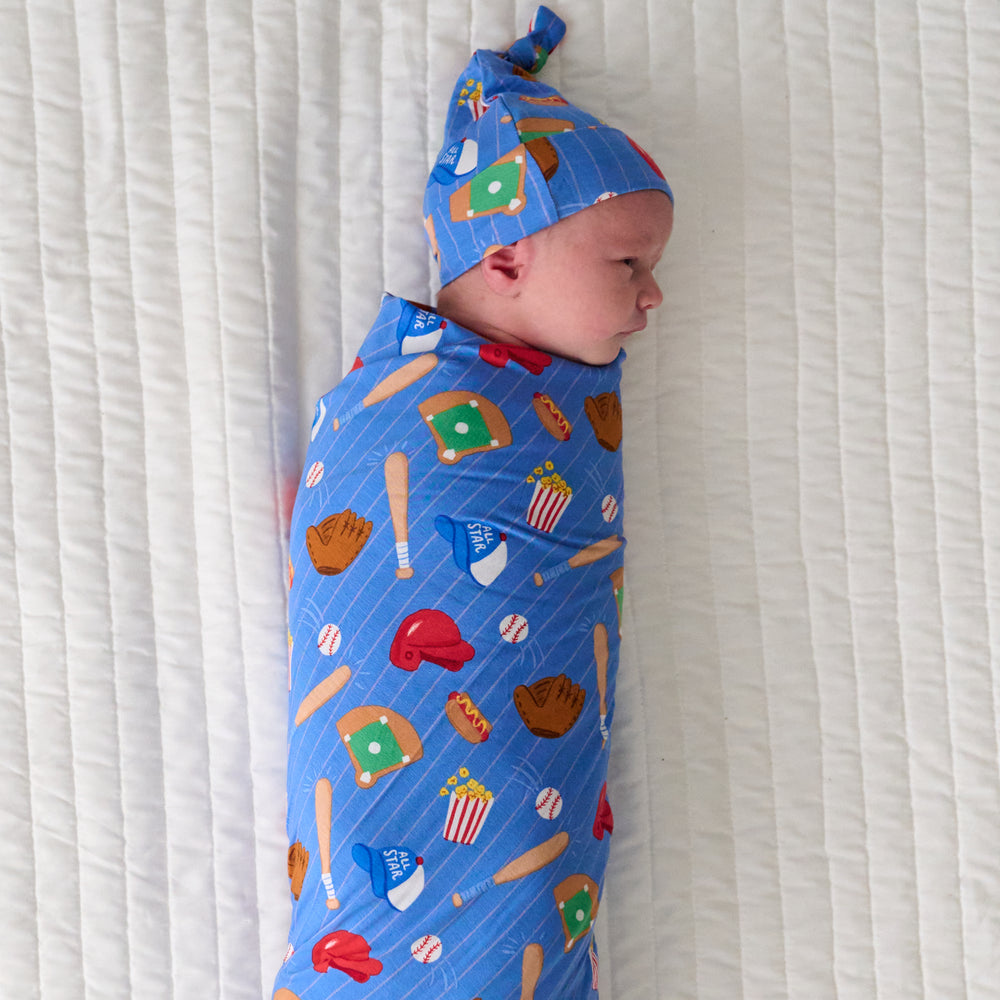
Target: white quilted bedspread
x,y
200,204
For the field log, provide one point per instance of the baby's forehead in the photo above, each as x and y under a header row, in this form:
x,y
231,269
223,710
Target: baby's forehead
x,y
639,218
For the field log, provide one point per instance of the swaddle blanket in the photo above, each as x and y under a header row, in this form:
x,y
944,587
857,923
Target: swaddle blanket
x,y
454,614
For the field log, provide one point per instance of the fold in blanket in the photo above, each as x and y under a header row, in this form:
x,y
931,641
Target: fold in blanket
x,y
454,616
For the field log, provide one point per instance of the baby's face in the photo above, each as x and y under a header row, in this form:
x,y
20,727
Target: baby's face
x,y
592,282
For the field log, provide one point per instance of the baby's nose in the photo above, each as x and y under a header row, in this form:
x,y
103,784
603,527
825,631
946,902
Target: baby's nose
x,y
650,295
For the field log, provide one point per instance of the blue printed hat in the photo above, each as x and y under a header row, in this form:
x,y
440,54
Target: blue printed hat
x,y
397,873
518,157
478,548
418,330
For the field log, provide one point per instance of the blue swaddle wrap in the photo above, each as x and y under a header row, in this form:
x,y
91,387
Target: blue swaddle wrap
x,y
455,603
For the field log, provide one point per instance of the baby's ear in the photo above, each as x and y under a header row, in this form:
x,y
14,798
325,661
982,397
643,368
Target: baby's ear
x,y
504,268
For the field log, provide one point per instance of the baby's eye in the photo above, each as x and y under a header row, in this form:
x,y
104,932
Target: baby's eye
x,y
629,261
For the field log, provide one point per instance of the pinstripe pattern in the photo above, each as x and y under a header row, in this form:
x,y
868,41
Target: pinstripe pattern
x,y
404,808
200,204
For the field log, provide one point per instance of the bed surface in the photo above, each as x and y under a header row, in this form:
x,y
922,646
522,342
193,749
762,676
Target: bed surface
x,y
200,206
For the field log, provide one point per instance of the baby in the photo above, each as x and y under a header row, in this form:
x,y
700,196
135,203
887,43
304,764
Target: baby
x,y
456,571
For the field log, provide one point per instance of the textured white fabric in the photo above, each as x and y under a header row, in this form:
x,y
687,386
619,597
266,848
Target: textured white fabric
x,y
200,205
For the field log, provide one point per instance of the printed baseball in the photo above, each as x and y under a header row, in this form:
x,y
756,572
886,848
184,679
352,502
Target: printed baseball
x,y
315,474
609,508
328,639
549,803
514,628
426,949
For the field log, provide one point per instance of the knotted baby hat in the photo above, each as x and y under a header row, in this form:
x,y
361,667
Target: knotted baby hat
x,y
518,157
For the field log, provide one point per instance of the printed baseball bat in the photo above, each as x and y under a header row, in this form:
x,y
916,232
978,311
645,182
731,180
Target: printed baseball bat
x,y
617,578
593,552
531,969
524,864
324,809
601,657
402,377
322,693
397,485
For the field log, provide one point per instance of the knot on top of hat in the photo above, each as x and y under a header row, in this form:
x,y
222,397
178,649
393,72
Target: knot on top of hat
x,y
544,33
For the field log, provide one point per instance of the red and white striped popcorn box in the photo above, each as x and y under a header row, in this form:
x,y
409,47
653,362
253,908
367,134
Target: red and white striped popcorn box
x,y
466,816
546,507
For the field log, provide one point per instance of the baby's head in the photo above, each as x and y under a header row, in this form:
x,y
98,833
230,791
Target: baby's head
x,y
577,288
545,222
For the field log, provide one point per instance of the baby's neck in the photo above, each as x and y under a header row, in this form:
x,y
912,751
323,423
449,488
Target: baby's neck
x,y
474,312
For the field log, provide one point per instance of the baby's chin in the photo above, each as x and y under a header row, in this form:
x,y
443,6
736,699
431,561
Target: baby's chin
x,y
599,356
606,352
598,352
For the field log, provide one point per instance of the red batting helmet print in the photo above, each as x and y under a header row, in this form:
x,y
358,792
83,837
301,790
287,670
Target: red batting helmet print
x,y
432,636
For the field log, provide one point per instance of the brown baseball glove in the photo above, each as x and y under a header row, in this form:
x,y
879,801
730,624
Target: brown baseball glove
x,y
298,862
550,706
605,415
335,542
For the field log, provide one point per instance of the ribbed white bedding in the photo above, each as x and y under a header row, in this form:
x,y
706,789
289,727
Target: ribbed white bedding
x,y
201,202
